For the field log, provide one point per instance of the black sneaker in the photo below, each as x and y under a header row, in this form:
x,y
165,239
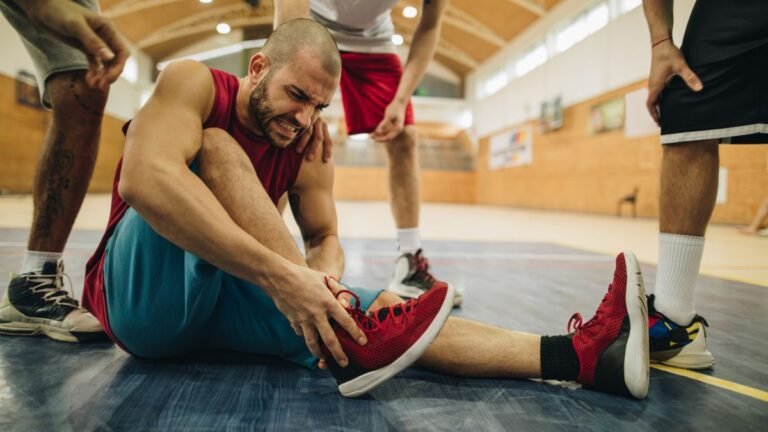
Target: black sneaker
x,y
412,278
36,303
672,344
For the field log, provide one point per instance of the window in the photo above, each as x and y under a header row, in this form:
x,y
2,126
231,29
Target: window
x,y
496,82
591,21
532,59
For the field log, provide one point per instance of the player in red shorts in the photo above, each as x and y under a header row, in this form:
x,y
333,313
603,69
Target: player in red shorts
x,y
376,92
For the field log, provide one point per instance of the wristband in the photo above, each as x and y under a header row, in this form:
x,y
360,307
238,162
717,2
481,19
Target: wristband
x,y
660,41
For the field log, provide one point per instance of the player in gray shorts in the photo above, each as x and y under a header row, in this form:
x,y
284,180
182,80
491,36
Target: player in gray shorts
x,y
75,87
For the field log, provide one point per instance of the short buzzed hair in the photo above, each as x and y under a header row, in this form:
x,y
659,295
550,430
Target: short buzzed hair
x,y
302,34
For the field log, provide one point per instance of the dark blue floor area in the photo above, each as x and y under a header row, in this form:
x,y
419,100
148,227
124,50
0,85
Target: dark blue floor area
x,y
52,386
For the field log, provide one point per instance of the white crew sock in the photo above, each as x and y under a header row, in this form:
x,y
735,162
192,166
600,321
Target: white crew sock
x,y
408,240
679,261
34,260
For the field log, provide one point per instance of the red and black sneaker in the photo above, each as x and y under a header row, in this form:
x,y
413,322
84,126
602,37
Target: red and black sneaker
x,y
612,347
412,278
397,336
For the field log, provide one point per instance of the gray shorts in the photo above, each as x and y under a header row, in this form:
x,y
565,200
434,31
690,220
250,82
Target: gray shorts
x,y
48,53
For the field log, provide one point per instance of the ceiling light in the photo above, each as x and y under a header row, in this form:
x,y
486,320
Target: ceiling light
x,y
408,12
223,28
397,39
206,1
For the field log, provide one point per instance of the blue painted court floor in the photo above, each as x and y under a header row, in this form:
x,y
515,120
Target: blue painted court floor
x,y
52,386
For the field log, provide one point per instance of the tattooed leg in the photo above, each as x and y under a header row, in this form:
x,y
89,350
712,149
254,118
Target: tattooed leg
x,y
67,159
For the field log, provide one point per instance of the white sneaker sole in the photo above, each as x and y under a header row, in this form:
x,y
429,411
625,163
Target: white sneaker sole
x,y
694,356
636,356
409,292
14,323
368,381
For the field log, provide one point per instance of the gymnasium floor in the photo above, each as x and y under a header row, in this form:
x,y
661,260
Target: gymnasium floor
x,y
524,270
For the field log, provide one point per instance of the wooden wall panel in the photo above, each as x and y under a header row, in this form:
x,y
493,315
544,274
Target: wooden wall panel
x,y
370,184
21,139
573,170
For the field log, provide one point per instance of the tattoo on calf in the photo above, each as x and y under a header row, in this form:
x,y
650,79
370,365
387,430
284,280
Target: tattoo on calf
x,y
55,172
295,201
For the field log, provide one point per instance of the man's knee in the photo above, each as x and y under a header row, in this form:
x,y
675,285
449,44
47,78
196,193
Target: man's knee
x,y
691,151
220,150
404,144
71,96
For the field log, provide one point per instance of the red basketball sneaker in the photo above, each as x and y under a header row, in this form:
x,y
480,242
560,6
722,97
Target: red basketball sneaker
x,y
397,336
612,347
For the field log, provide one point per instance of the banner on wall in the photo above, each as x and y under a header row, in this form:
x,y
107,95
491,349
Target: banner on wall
x,y
606,116
511,148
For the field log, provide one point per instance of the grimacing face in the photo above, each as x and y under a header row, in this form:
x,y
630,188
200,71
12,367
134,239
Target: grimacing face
x,y
285,102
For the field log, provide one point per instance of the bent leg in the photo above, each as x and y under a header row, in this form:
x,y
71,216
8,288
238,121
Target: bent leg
x,y
67,160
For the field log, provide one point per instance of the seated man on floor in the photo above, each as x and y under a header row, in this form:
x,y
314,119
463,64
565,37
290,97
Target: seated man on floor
x,y
196,255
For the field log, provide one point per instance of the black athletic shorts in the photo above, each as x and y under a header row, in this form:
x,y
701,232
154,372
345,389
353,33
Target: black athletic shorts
x,y
726,45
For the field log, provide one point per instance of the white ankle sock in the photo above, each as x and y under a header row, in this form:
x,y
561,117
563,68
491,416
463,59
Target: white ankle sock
x,y
408,240
679,261
34,260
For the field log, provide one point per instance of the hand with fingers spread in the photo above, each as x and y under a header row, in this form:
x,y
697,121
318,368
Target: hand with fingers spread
x,y
85,30
392,123
666,62
316,135
309,302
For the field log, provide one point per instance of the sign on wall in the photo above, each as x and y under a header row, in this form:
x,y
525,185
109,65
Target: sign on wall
x,y
606,116
551,116
511,148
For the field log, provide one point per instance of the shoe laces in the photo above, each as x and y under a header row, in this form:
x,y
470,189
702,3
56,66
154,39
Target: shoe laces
x,y
396,316
53,288
576,324
422,268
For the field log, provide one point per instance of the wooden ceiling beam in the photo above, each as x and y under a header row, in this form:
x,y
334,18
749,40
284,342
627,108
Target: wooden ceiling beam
x,y
443,46
237,15
463,21
530,6
126,7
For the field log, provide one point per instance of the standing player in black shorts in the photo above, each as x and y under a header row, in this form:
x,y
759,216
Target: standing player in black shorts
x,y
712,90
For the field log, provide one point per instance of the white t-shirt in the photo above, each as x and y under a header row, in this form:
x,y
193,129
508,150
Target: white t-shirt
x,y
357,25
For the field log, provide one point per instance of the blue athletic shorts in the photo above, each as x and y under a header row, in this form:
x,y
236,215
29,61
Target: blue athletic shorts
x,y
163,301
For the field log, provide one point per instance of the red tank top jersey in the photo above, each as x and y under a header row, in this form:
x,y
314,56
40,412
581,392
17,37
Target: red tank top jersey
x,y
277,168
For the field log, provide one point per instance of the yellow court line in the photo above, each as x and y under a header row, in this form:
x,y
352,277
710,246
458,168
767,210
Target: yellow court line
x,y
717,382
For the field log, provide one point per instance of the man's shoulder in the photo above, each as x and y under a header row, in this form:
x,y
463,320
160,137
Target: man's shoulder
x,y
187,82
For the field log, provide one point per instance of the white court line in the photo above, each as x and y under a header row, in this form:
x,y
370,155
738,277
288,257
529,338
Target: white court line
x,y
501,255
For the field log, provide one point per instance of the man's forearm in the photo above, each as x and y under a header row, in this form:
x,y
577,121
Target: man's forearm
x,y
423,48
326,255
659,15
286,10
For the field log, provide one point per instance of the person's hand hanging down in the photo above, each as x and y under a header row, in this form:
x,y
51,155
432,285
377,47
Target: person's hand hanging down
x,y
85,30
666,62
392,124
